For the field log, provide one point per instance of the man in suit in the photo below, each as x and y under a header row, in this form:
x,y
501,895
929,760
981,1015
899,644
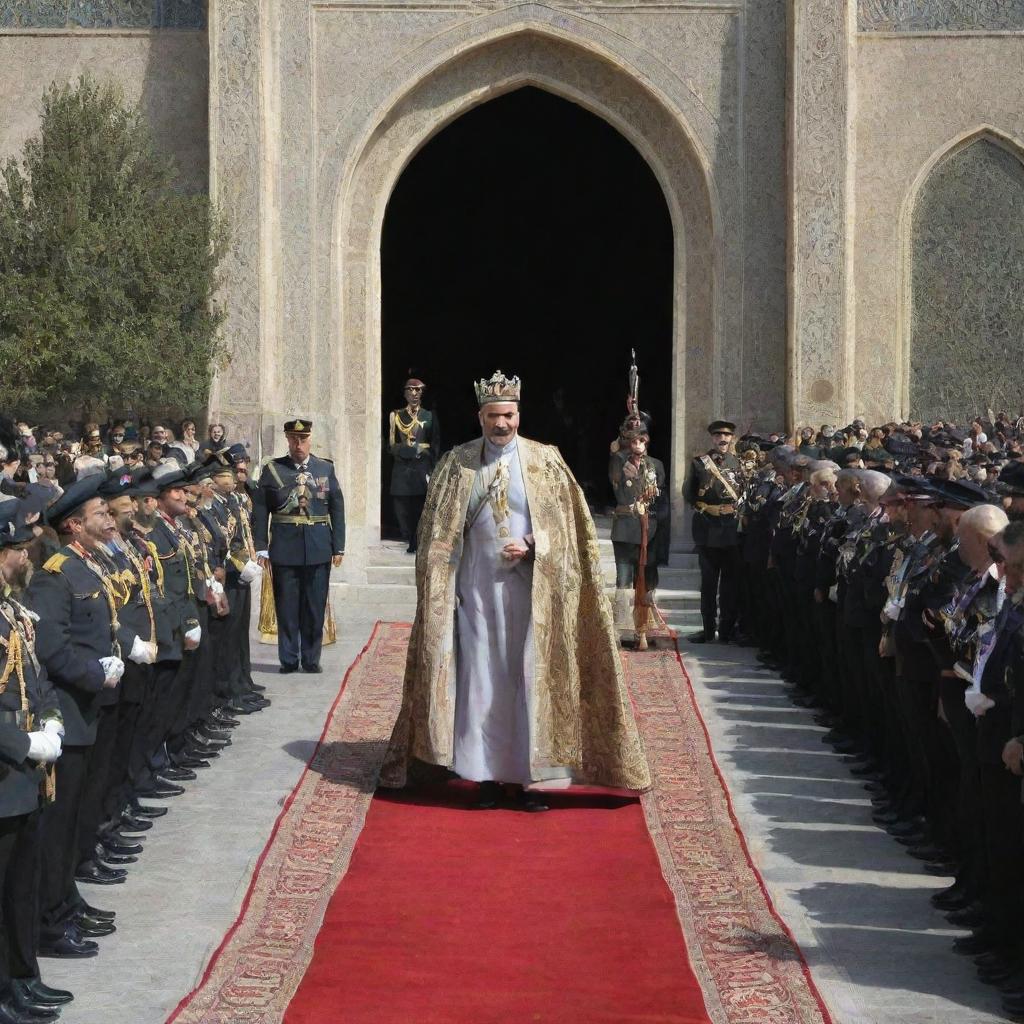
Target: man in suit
x,y
712,490
299,532
414,442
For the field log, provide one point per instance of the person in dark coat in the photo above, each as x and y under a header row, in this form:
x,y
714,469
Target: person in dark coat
x,y
414,443
31,735
299,532
712,489
77,642
638,480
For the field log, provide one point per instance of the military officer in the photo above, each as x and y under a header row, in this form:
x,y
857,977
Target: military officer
x,y
77,641
712,490
640,504
31,732
414,442
299,532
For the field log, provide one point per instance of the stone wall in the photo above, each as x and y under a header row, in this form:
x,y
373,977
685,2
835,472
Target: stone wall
x,y
918,97
165,69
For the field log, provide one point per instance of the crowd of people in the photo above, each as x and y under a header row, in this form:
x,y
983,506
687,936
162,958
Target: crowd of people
x,y
881,572
126,559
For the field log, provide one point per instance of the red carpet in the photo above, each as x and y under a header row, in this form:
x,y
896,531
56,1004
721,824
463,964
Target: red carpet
x,y
417,910
453,916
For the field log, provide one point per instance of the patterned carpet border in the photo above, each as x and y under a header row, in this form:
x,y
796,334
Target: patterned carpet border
x,y
745,957
255,971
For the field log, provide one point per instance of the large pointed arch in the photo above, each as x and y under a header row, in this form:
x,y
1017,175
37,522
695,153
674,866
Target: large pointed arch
x,y
949,149
395,116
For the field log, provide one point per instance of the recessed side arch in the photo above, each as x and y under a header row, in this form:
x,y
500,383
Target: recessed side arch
x,y
356,178
962,141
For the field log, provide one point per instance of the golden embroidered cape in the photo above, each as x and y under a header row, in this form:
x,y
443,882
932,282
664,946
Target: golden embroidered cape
x,y
581,717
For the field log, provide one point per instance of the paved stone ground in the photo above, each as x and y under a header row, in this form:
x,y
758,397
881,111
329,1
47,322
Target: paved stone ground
x,y
877,950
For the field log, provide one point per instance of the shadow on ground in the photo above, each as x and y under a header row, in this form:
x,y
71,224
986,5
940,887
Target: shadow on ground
x,y
867,905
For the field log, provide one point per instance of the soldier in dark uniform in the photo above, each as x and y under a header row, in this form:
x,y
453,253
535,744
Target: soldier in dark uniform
x,y
77,640
712,490
299,531
414,442
638,480
31,732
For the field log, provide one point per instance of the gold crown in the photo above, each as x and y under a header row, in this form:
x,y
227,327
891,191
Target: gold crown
x,y
498,389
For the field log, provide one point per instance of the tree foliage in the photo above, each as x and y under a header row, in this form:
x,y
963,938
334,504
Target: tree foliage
x,y
106,272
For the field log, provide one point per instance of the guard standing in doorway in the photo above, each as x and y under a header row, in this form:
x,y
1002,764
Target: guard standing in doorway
x,y
414,442
299,532
712,490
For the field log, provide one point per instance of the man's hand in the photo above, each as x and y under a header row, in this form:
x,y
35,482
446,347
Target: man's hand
x,y
515,551
1013,756
336,561
629,469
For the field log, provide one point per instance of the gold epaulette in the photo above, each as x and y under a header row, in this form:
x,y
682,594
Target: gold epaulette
x,y
55,562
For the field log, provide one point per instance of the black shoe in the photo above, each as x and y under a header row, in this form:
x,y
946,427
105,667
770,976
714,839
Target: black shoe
x,y
131,823
312,669
177,774
100,915
192,753
237,706
192,763
256,700
528,800
971,916
928,852
701,638
952,898
111,843
220,719
208,732
11,1013
164,788
941,869
488,796
68,946
42,994
287,670
257,687
147,811
411,550
99,874
975,943
105,858
202,740
24,1003
92,929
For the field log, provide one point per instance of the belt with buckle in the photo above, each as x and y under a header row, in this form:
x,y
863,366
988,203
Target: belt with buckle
x,y
280,517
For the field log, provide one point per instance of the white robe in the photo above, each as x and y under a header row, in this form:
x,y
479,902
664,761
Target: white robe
x,y
494,635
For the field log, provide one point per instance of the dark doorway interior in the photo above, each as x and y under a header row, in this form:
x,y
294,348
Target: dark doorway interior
x,y
530,236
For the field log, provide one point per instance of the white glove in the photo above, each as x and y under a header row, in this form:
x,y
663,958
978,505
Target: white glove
x,y
216,587
893,608
977,703
143,652
262,554
195,634
53,727
251,571
43,748
113,669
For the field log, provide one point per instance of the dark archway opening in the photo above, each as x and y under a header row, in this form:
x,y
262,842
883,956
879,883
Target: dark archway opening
x,y
530,236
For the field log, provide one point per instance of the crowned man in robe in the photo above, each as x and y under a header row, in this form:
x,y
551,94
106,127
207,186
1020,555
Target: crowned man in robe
x,y
513,674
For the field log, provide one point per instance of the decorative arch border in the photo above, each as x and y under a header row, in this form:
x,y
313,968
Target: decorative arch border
x,y
982,132
388,123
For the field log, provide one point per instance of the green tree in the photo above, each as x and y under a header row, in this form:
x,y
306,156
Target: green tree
x,y
107,273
